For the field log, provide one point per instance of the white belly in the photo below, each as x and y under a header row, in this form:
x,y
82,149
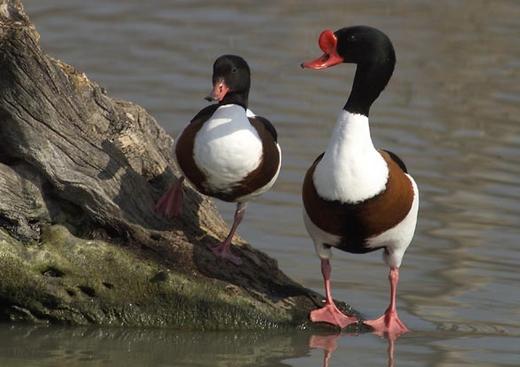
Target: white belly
x,y
227,147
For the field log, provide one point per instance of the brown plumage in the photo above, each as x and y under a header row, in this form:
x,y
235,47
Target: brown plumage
x,y
235,166
184,148
357,222
255,180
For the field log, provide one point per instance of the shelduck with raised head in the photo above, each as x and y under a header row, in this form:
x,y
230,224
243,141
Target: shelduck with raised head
x,y
358,198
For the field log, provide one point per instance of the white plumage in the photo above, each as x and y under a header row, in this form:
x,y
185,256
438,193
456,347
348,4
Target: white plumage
x,y
227,147
351,170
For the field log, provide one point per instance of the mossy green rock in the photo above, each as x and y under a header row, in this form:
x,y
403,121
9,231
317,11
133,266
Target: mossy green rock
x,y
67,279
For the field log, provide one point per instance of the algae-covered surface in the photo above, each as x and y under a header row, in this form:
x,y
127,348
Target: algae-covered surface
x,y
71,280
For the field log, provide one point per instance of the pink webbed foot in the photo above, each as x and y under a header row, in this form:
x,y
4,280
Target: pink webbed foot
x,y
223,250
332,315
170,204
389,324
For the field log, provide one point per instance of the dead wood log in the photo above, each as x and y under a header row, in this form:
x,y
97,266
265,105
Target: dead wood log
x,y
79,241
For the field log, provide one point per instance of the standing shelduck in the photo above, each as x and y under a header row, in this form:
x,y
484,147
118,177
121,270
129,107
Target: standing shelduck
x,y
358,198
226,151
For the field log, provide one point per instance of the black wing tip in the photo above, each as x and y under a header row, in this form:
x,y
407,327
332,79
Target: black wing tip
x,y
397,160
205,113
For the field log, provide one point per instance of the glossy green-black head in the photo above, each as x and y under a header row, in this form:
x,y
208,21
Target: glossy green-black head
x,y
358,45
365,46
231,80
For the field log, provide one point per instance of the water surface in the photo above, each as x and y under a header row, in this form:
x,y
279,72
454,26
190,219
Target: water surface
x,y
451,111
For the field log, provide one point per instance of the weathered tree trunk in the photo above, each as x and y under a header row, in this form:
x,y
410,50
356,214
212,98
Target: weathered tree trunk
x,y
79,241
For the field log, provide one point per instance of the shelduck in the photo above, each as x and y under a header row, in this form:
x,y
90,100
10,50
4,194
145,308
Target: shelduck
x,y
226,151
358,198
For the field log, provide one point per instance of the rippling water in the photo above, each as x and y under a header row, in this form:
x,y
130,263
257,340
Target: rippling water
x,y
451,111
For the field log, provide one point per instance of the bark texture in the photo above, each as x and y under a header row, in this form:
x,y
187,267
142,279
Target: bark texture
x,y
79,241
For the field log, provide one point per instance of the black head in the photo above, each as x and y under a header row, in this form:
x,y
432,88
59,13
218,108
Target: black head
x,y
365,46
358,45
231,80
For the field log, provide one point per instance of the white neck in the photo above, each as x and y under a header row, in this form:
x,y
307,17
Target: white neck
x,y
351,134
351,170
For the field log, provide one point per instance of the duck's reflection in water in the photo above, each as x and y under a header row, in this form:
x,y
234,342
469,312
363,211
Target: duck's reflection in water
x,y
134,347
329,343
326,342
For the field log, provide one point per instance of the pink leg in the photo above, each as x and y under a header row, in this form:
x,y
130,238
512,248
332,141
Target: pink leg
x,y
390,323
170,204
330,313
224,248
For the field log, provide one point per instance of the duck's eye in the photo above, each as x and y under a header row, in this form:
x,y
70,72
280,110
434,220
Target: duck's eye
x,y
234,70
